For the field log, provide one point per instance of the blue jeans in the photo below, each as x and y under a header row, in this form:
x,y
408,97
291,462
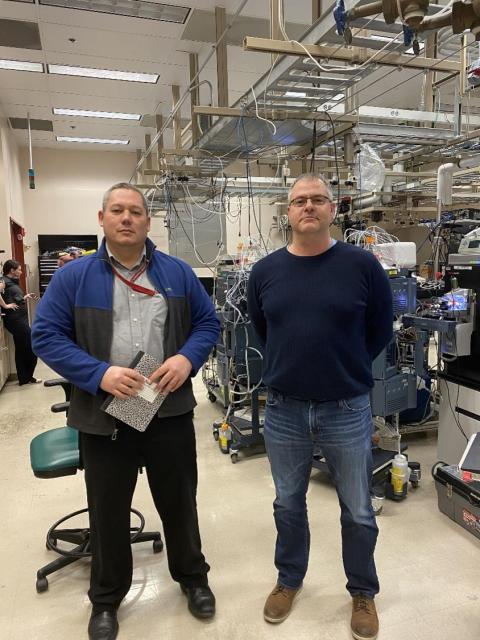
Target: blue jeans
x,y
342,429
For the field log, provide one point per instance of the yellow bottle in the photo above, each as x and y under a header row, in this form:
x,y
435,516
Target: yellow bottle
x,y
399,474
224,438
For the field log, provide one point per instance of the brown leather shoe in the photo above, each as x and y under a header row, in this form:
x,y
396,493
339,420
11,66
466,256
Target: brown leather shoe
x,y
279,604
364,622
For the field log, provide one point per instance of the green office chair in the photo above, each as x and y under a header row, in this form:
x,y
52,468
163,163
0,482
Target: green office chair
x,y
56,453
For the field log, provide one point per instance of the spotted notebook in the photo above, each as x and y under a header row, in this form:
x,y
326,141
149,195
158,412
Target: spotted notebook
x,y
137,411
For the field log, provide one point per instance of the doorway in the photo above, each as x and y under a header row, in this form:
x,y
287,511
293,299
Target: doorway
x,y
16,236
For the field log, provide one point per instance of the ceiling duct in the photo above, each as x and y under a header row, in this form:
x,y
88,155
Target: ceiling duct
x,y
201,28
35,125
19,34
296,85
127,8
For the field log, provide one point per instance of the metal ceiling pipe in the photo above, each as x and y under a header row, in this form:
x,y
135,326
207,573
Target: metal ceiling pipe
x,y
362,202
475,133
365,11
382,197
412,12
438,21
444,196
387,192
466,16
445,183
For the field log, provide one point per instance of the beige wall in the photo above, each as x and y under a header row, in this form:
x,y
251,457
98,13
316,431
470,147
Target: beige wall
x,y
69,189
11,206
11,201
68,194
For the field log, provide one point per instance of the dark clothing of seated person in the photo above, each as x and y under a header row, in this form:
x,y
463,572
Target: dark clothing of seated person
x,y
16,322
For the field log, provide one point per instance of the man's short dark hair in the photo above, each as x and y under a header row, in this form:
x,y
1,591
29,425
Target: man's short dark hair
x,y
129,187
312,177
10,265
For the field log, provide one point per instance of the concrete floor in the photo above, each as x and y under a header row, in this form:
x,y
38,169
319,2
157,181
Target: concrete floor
x,y
428,566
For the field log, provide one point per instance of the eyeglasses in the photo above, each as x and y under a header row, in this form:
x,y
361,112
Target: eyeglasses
x,y
317,201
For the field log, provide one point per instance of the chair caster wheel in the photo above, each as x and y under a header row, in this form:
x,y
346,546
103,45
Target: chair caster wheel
x,y
212,397
157,546
234,458
42,585
215,435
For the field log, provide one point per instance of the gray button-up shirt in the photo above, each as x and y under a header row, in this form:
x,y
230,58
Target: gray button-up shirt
x,y
138,319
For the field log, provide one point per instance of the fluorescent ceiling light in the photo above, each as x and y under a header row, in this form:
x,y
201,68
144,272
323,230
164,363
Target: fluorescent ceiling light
x,y
106,74
91,140
295,94
18,65
339,96
128,8
96,114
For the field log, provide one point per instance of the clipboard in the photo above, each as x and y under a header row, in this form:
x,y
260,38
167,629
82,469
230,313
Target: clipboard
x,y
137,411
471,456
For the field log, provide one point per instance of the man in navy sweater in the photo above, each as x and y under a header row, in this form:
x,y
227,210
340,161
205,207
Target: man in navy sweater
x,y
98,312
324,311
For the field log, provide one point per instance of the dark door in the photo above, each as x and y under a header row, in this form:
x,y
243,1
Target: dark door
x,y
16,235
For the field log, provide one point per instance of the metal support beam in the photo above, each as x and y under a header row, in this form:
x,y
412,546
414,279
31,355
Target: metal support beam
x,y
276,15
343,54
181,169
457,112
194,95
462,79
222,73
306,149
177,127
350,106
316,10
429,79
192,153
148,156
159,126
366,112
275,114
138,173
444,80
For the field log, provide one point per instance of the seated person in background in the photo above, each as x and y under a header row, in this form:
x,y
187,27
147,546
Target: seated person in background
x,y
16,322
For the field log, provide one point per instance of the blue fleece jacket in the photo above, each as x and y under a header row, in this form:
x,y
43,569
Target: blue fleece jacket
x,y
73,327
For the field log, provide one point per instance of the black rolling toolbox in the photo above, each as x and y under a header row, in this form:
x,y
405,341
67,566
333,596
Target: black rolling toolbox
x,y
457,499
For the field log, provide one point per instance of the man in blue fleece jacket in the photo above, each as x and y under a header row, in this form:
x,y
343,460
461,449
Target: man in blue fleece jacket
x,y
97,313
324,311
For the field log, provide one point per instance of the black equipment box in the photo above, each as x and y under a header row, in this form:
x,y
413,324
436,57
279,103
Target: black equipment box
x,y
457,499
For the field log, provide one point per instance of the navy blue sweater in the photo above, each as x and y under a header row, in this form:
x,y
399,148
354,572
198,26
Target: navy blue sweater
x,y
323,319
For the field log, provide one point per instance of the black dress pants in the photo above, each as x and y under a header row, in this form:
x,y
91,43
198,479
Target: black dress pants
x,y
25,359
167,449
